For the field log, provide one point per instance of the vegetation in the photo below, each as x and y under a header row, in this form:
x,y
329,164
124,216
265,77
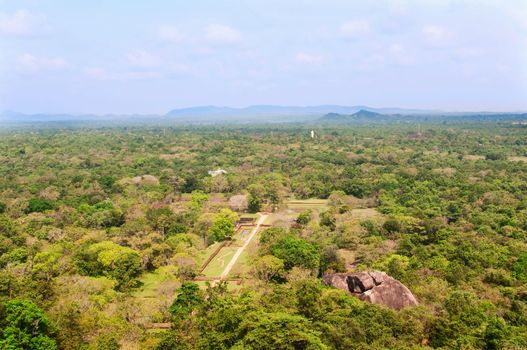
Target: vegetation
x,y
104,233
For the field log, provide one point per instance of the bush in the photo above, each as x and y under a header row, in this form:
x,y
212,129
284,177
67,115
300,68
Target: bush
x,y
25,326
304,217
109,259
38,205
296,252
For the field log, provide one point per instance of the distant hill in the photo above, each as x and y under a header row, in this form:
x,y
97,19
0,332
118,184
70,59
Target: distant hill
x,y
362,115
370,117
266,114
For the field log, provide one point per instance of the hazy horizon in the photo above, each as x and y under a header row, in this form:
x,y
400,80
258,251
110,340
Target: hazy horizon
x,y
236,108
134,58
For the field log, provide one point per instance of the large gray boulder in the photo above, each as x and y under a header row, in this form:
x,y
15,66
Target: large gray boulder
x,y
375,287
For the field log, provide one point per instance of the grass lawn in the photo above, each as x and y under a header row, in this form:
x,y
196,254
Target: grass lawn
x,y
231,285
303,204
249,215
220,261
204,254
269,219
243,264
151,281
241,235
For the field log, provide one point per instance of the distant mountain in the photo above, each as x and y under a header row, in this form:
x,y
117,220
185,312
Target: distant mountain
x,y
369,117
266,114
366,114
362,115
16,117
275,113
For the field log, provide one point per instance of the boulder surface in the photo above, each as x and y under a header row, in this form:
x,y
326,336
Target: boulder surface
x,y
375,287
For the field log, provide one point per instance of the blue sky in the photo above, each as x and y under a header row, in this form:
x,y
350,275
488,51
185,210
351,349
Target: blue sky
x,y
152,56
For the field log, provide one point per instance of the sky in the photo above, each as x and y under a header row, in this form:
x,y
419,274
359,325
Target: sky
x,y
132,56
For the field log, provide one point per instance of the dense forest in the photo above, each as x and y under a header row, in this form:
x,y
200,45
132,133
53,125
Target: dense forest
x,y
103,233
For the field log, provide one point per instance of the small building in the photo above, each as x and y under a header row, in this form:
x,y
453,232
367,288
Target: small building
x,y
217,172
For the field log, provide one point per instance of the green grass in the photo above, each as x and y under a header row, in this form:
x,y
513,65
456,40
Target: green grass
x,y
243,264
204,254
303,204
231,285
151,280
248,215
268,220
202,284
237,238
220,261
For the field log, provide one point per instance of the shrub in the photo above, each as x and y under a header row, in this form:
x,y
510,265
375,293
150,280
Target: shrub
x,y
38,205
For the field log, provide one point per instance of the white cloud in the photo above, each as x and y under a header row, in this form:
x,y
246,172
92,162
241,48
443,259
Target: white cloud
x,y
398,54
22,22
503,68
28,63
98,73
398,7
170,33
142,59
436,36
310,59
355,29
371,62
223,34
468,53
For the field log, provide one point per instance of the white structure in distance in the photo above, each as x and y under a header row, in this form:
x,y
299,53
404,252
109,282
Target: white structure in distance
x,y
217,172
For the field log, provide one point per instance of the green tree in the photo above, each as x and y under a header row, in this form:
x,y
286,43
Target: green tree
x,y
519,269
268,267
189,297
304,217
109,259
254,203
223,225
296,252
308,294
280,331
496,334
24,326
38,205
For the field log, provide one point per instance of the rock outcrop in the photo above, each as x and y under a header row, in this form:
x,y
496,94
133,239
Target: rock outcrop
x,y
375,287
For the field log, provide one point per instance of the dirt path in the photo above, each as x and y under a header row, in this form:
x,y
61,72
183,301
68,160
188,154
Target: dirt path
x,y
240,250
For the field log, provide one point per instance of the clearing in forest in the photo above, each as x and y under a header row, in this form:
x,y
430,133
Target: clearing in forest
x,y
227,260
286,216
364,214
240,250
220,261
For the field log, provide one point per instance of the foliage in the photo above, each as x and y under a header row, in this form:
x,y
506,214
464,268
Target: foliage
x,y
296,252
188,299
223,225
89,214
38,205
109,259
25,326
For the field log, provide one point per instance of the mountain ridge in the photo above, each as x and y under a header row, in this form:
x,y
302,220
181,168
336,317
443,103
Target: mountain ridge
x,y
264,114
